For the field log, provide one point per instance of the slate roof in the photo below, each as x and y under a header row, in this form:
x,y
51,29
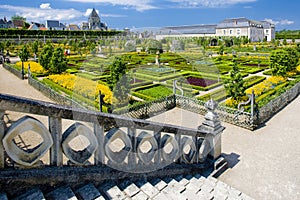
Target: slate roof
x,y
52,23
192,29
239,23
73,27
94,14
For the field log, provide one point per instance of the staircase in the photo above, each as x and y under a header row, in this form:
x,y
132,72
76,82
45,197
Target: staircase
x,y
178,187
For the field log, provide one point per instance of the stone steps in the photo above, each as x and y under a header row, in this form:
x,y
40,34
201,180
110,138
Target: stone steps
x,y
178,187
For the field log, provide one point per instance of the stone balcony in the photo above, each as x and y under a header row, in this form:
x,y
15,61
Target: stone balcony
x,y
114,148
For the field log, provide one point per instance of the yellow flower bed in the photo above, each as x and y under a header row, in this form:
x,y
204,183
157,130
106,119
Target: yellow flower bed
x,y
82,86
34,67
230,102
266,85
298,69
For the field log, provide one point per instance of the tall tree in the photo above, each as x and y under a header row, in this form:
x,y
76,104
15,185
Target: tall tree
x,y
294,58
35,46
282,61
23,55
235,85
46,56
119,81
58,62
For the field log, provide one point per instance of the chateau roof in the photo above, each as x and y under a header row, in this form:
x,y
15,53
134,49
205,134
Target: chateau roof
x,y
190,29
239,22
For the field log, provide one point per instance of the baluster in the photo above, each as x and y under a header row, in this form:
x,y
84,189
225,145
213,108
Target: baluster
x,y
132,157
180,150
196,141
99,154
2,129
56,155
157,157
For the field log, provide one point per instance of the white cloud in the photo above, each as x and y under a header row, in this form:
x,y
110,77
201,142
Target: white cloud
x,y
139,5
280,22
286,22
45,6
45,12
209,3
89,11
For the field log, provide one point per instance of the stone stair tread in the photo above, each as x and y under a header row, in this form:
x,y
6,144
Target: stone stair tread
x,y
140,196
110,190
35,194
88,192
158,183
182,180
173,185
61,193
129,188
147,188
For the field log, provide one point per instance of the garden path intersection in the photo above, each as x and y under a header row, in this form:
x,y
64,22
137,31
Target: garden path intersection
x,y
263,164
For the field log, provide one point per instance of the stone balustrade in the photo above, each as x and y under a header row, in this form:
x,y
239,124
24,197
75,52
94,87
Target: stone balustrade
x,y
120,143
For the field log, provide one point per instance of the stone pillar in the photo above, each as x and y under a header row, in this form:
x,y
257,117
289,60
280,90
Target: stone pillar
x,y
213,129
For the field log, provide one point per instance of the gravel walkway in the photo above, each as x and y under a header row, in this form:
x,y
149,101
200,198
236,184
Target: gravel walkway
x,y
264,164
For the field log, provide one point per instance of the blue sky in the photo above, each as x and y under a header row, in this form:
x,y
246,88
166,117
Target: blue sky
x,y
120,14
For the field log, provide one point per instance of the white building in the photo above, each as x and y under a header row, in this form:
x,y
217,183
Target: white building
x,y
236,27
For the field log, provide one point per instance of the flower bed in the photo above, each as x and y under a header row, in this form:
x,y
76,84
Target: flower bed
x,y
82,86
200,81
35,67
266,85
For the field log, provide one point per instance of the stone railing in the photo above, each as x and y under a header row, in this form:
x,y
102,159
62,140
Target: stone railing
x,y
149,109
275,105
225,114
120,145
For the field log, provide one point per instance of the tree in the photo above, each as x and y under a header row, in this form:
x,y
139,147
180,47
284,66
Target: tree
x,y
23,55
58,62
46,56
35,48
119,81
7,44
283,60
221,49
235,85
294,58
17,17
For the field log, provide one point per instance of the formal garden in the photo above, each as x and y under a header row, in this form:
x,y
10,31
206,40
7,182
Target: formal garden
x,y
132,73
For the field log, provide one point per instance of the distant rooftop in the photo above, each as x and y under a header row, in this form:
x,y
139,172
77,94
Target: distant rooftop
x,y
189,29
239,22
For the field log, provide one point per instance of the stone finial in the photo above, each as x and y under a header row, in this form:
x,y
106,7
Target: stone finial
x,y
211,105
212,123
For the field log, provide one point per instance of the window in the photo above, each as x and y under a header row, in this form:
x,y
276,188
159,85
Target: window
x,y
224,32
267,31
230,32
238,31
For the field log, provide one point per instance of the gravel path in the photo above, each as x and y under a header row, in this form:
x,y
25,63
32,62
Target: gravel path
x,y
264,164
